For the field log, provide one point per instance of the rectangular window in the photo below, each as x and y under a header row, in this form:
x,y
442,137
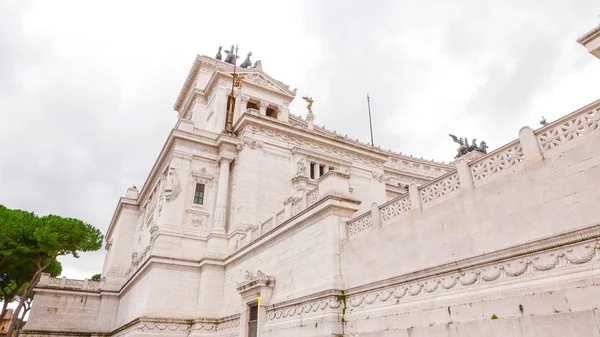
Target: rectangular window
x,y
331,168
199,194
253,321
312,170
321,170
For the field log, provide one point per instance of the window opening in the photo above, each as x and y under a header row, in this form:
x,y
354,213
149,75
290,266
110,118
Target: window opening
x,y
253,321
271,113
199,194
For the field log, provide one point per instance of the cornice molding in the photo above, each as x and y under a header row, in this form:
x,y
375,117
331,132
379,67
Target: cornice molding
x,y
286,132
585,38
319,155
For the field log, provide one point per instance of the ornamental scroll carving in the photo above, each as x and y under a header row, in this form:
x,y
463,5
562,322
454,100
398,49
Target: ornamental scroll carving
x,y
250,143
564,257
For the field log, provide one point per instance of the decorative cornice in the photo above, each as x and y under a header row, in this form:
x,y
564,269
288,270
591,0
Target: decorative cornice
x,y
319,155
252,282
328,149
300,123
589,35
198,62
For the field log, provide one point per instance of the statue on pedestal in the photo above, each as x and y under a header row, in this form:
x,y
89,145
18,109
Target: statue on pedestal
x,y
219,56
310,101
247,63
465,148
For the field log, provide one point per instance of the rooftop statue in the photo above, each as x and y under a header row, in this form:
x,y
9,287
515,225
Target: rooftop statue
x,y
543,121
465,148
219,56
247,63
257,64
238,80
230,56
482,147
310,101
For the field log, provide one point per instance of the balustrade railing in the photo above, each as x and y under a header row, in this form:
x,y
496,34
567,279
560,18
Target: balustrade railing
x,y
46,281
569,128
296,205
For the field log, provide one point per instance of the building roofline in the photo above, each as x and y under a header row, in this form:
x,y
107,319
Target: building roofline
x,y
595,32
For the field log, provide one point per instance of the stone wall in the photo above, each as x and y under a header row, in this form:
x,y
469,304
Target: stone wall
x,y
507,245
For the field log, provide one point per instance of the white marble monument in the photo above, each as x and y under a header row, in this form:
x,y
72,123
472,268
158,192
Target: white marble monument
x,y
284,228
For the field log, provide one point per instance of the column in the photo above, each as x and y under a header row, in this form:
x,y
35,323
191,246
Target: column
x,y
221,205
238,106
263,108
284,112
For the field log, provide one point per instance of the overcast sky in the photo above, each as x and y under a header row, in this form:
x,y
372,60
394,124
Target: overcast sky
x,y
87,88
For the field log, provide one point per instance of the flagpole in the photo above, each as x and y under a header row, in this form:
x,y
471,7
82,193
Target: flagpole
x,y
370,124
229,123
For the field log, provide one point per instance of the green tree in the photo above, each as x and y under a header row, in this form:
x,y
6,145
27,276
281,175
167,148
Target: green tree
x,y
39,241
15,274
95,277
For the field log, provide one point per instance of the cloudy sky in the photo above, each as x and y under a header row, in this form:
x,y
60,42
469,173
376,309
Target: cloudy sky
x,y
87,87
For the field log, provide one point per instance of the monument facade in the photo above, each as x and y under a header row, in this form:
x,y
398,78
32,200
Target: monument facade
x,y
284,228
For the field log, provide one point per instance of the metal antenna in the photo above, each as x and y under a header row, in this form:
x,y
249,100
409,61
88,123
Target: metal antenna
x,y
370,123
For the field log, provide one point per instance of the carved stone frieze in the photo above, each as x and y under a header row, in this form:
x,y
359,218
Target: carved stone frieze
x,y
249,143
563,257
329,150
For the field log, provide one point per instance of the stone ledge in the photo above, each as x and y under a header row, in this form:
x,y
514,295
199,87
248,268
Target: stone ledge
x,y
548,243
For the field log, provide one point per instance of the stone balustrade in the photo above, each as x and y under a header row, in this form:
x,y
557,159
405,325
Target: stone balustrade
x,y
295,205
530,144
47,281
330,184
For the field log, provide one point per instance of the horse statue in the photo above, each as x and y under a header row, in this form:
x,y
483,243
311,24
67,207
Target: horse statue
x,y
247,63
219,56
231,57
473,145
482,148
257,64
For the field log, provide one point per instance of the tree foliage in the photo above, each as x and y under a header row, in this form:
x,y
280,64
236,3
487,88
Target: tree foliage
x,y
29,246
95,277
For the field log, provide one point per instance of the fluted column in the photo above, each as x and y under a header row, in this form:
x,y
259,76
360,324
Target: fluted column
x,y
221,205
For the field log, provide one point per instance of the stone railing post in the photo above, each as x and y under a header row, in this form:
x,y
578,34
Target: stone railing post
x,y
464,174
287,205
415,197
44,279
304,199
62,282
334,183
375,215
529,143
